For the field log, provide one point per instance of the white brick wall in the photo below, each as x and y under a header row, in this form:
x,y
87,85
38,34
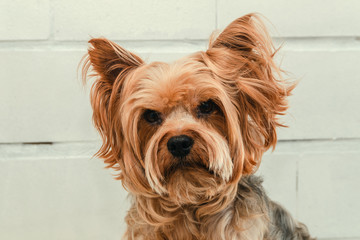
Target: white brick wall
x,y
56,192
133,20
298,18
24,20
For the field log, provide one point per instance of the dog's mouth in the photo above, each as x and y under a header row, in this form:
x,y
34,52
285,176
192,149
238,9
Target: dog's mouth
x,y
184,165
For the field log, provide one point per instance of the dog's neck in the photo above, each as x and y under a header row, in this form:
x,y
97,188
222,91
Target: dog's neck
x,y
235,205
164,205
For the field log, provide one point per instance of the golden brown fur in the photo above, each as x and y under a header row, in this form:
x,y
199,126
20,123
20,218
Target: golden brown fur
x,y
209,193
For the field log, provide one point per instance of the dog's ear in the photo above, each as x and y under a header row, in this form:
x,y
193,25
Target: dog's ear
x,y
242,56
109,60
110,64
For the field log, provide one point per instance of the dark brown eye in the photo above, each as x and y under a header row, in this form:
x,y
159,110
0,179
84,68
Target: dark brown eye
x,y
207,107
152,116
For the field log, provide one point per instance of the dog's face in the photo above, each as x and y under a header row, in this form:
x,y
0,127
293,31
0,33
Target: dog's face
x,y
189,129
178,120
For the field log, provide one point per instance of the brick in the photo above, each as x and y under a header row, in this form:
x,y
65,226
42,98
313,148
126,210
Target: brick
x,y
328,191
53,197
323,103
42,99
278,170
121,20
24,20
298,18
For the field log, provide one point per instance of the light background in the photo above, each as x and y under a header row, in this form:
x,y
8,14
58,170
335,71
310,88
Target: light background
x,y
56,191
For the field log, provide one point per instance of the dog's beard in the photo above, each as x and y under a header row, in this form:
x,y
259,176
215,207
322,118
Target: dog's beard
x,y
194,178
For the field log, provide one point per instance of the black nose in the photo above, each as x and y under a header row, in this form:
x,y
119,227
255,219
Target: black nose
x,y
180,146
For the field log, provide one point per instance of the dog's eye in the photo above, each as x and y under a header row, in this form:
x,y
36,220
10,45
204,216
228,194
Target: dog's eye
x,y
206,107
152,116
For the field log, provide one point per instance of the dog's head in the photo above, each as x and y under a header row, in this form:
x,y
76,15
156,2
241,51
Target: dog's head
x,y
188,129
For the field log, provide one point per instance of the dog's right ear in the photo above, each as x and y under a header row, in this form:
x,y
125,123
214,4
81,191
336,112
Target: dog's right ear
x,y
110,64
109,60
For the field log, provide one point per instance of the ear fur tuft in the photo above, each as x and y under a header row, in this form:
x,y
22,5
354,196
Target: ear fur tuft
x,y
242,56
110,64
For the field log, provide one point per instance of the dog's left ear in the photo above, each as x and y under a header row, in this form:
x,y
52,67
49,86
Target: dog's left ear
x,y
242,58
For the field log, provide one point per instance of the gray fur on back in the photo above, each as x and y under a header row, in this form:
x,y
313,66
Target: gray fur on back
x,y
282,226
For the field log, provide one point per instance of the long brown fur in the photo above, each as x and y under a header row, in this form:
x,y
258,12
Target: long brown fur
x,y
209,194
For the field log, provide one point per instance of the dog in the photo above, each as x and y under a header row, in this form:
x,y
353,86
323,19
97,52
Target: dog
x,y
186,137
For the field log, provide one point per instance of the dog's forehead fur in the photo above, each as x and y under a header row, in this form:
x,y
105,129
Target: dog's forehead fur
x,y
166,86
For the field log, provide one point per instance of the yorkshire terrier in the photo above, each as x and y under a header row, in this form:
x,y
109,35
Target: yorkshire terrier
x,y
186,137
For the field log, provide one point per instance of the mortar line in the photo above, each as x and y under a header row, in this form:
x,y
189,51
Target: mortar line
x,y
216,14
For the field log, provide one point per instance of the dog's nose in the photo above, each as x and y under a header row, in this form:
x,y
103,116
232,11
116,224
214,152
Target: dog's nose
x,y
180,146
